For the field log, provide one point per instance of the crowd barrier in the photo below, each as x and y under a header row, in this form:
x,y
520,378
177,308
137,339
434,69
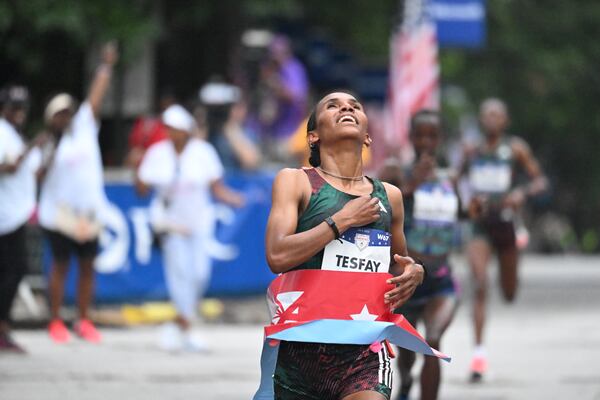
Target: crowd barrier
x,y
129,267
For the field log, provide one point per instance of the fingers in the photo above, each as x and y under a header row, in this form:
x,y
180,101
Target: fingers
x,y
398,295
110,52
367,210
403,260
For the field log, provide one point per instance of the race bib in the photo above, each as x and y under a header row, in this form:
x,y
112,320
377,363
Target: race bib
x,y
435,204
359,250
490,177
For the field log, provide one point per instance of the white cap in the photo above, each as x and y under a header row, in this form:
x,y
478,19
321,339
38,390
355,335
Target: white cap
x,y
216,93
179,118
59,103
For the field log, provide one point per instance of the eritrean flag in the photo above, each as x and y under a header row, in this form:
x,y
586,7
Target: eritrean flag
x,y
320,306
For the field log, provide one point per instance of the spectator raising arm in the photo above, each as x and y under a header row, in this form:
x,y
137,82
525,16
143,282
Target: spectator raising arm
x,y
101,81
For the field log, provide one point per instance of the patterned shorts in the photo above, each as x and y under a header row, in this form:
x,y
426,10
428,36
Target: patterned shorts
x,y
330,371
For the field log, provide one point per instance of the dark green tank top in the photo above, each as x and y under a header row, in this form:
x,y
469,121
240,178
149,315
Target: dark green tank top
x,y
491,171
360,243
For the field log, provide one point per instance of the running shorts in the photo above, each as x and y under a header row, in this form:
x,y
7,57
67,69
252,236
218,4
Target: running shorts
x,y
63,247
330,371
438,282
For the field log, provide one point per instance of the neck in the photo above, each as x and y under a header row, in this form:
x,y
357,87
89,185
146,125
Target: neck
x,y
57,133
493,139
342,161
180,145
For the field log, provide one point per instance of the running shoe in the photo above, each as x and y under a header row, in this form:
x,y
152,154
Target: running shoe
x,y
194,343
58,331
171,337
86,330
479,366
7,344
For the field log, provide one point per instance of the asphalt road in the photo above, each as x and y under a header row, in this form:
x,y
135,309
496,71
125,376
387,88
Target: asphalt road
x,y
545,346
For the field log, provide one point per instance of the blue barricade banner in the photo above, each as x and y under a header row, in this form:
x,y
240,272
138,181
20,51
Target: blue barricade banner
x,y
129,267
459,23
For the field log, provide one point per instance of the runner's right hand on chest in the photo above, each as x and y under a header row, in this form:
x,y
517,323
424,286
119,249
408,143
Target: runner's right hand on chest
x,y
361,211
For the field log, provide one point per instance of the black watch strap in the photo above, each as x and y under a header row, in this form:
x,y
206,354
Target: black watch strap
x,y
333,227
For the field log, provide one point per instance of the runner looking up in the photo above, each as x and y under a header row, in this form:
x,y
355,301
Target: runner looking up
x,y
311,209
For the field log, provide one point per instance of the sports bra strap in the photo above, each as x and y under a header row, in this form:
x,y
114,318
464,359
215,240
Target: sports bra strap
x,y
316,180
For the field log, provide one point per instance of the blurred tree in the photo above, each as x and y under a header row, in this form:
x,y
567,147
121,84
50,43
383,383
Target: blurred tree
x,y
542,58
24,24
363,26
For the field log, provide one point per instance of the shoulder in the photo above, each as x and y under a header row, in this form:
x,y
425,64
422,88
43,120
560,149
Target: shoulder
x,y
85,111
9,135
158,149
293,180
203,146
517,142
291,176
394,194
519,146
291,184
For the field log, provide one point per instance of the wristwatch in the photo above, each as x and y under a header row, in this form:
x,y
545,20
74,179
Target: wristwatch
x,y
333,227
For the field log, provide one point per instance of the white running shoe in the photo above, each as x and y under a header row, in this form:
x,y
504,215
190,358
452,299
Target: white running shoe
x,y
171,337
194,343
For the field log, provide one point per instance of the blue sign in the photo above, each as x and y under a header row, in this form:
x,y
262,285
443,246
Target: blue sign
x,y
460,23
129,267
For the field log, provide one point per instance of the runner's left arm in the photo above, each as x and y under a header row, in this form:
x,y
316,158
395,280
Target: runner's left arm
x,y
538,182
411,274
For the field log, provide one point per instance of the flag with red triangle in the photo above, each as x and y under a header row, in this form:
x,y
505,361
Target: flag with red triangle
x,y
320,306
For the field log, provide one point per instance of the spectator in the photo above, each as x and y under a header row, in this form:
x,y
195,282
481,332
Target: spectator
x,y
285,92
226,119
147,130
185,171
18,165
72,197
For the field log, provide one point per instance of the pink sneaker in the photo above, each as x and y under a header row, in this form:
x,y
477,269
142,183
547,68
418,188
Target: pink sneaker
x,y
86,330
58,331
479,366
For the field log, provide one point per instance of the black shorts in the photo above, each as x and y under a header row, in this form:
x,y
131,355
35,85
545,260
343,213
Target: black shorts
x,y
330,371
63,247
499,233
439,282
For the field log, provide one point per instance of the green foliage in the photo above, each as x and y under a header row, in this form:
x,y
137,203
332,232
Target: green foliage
x,y
25,24
364,26
542,58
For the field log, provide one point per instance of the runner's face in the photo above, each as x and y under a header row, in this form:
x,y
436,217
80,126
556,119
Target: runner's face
x,y
341,115
494,119
426,138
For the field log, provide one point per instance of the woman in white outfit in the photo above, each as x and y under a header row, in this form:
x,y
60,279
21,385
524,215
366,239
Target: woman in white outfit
x,y
184,171
72,197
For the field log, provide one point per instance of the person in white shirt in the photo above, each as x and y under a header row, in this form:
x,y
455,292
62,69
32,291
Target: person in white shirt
x,y
184,171
72,197
18,165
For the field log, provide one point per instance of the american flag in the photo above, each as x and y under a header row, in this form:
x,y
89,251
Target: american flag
x,y
414,70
